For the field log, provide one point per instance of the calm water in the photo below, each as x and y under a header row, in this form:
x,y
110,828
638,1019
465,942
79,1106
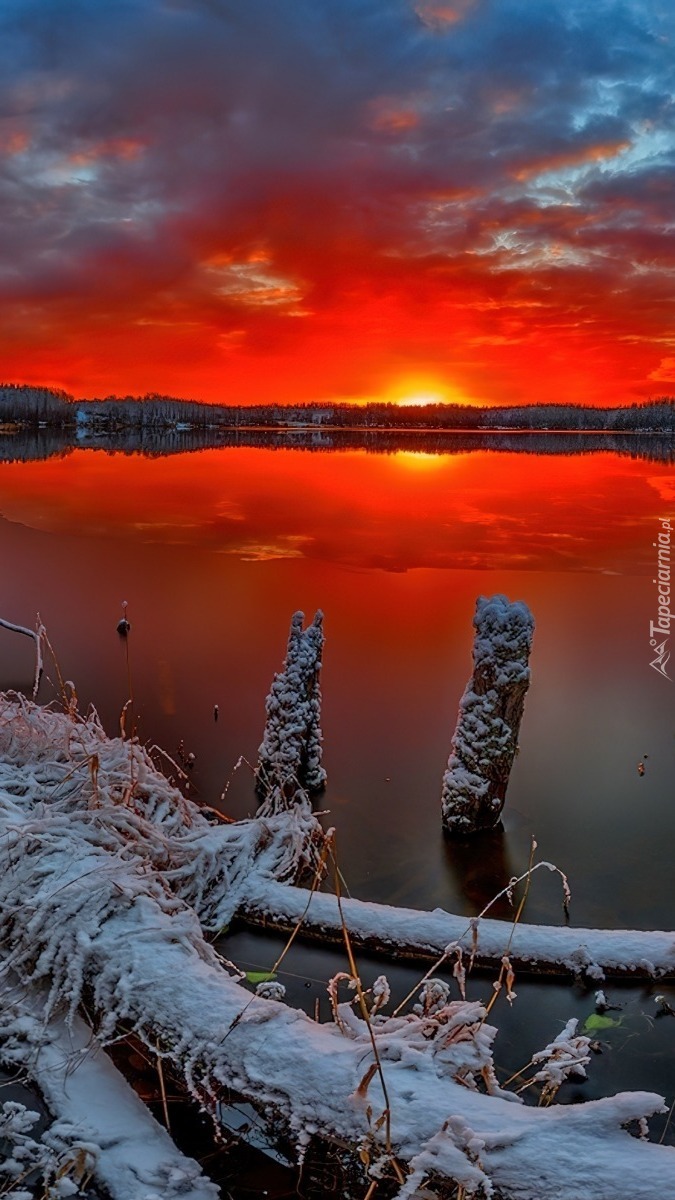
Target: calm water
x,y
215,550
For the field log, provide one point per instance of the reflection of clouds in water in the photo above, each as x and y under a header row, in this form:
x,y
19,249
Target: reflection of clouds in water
x,y
663,485
177,523
230,511
531,513
285,547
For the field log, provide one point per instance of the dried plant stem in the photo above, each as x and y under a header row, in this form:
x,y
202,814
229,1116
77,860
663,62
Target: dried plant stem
x,y
162,1088
665,1127
452,947
366,1016
318,876
37,636
505,964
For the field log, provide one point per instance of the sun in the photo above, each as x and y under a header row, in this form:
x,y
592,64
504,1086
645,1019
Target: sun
x,y
419,389
420,399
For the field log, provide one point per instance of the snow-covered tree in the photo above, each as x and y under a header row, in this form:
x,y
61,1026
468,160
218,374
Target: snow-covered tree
x,y
290,754
486,737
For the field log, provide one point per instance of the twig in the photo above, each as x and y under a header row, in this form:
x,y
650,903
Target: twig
x,y
36,635
665,1127
450,950
366,1017
165,1106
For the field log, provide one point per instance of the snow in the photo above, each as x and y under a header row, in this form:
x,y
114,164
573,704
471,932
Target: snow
x,y
105,870
567,1055
590,952
102,1127
290,753
485,739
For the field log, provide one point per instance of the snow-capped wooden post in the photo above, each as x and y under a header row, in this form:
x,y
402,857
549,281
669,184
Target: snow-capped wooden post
x,y
290,755
486,737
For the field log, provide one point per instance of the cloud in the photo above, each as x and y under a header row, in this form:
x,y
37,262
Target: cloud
x,y
222,167
665,372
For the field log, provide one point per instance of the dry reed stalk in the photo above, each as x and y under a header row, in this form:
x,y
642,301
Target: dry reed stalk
x,y
37,635
472,925
162,1088
366,1017
318,877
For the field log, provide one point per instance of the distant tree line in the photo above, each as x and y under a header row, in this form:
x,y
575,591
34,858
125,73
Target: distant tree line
x,y
29,406
23,405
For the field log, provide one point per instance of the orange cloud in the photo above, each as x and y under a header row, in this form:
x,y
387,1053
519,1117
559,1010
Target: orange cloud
x,y
125,149
574,157
15,142
438,13
665,372
395,120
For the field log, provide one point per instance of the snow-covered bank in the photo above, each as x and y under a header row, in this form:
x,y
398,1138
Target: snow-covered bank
x,y
104,1128
104,868
411,933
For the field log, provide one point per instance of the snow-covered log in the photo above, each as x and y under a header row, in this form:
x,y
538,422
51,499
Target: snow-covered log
x,y
289,761
411,933
101,1127
87,910
486,737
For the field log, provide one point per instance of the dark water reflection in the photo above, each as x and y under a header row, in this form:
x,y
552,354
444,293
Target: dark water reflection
x,y
27,445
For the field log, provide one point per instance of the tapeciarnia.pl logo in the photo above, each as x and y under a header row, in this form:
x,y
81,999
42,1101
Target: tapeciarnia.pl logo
x,y
661,625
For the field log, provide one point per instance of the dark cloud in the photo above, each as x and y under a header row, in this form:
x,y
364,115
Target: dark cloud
x,y
254,162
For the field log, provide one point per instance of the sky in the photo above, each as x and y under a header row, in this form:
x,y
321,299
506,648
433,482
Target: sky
x,y
251,201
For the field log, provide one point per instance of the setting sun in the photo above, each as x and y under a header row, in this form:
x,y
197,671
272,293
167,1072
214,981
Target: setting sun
x,y
420,399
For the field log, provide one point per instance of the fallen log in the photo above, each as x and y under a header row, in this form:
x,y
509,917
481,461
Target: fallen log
x,y
105,1129
87,908
413,934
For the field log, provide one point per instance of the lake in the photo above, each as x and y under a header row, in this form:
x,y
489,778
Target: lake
x,y
214,550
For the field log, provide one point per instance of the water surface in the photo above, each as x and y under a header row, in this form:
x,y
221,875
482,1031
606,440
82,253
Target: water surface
x,y
213,552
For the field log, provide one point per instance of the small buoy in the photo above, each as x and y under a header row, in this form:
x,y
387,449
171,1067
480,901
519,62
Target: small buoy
x,y
215,712
123,626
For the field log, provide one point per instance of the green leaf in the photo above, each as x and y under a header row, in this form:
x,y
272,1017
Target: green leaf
x,y
260,976
600,1021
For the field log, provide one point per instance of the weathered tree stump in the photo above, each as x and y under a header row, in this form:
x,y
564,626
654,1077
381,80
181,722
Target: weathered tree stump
x,y
486,737
290,754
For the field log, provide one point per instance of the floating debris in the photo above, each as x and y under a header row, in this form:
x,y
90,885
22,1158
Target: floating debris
x,y
123,626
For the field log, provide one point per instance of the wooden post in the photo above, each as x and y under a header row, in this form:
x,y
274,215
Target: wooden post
x,y
485,740
289,759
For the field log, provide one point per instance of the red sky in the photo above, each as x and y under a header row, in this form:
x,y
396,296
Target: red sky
x,y
372,200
